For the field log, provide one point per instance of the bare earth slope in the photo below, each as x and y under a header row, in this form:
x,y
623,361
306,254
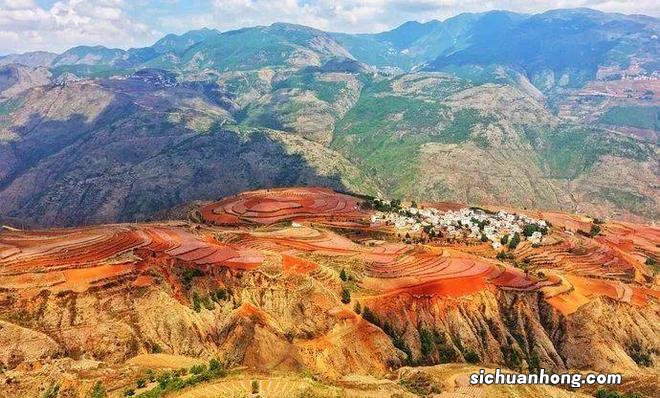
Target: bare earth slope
x,y
260,285
89,152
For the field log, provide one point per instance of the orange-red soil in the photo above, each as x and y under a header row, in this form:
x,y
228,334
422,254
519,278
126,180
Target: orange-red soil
x,y
77,259
575,268
274,205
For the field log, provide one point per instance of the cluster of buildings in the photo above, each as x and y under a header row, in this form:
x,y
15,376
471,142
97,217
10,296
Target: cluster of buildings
x,y
464,223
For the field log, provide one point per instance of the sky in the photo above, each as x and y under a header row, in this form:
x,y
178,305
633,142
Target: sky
x,y
56,25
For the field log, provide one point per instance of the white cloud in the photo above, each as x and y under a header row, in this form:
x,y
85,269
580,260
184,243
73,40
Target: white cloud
x,y
25,26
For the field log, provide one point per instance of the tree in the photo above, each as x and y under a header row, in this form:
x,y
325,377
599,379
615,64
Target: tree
x,y
98,391
214,364
484,238
358,308
505,239
164,379
342,275
595,230
52,391
605,393
345,296
471,357
197,302
515,240
369,316
255,387
426,343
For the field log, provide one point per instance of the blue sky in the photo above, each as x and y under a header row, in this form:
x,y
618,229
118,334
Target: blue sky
x,y
55,25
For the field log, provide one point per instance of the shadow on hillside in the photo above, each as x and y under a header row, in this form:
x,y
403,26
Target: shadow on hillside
x,y
130,163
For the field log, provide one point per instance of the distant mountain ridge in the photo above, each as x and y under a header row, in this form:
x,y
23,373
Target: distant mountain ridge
x,y
570,42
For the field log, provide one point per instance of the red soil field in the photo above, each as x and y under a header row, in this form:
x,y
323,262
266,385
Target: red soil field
x,y
77,259
575,268
271,206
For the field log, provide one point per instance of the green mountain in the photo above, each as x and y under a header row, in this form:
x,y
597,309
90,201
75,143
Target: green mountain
x,y
556,111
569,44
177,44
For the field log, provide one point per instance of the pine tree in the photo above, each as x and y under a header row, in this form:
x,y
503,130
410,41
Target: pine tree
x,y
342,275
345,296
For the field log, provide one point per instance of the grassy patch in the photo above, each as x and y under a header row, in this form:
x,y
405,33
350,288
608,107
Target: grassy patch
x,y
10,105
384,132
324,90
172,381
630,201
568,150
643,117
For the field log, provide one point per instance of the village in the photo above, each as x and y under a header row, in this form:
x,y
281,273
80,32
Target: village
x,y
499,228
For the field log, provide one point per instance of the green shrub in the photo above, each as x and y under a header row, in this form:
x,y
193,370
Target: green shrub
x,y
164,379
640,355
471,357
219,295
98,391
511,357
345,296
370,317
197,302
529,229
208,303
605,393
215,365
426,343
342,275
53,391
515,240
534,363
447,353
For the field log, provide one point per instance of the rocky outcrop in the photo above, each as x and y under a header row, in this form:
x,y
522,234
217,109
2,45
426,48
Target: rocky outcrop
x,y
520,331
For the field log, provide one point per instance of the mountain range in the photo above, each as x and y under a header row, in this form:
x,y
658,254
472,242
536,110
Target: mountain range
x,y
553,111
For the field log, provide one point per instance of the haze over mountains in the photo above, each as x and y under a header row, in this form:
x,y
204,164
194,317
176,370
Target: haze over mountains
x,y
555,110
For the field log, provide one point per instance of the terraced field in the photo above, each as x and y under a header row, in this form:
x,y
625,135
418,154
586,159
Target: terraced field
x,y
84,257
79,258
270,295
275,205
